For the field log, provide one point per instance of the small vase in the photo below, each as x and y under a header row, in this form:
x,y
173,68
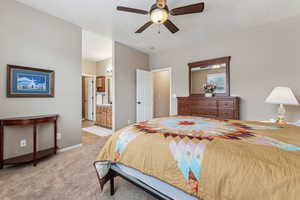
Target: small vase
x,y
208,94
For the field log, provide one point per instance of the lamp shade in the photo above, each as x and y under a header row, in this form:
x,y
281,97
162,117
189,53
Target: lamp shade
x,y
282,95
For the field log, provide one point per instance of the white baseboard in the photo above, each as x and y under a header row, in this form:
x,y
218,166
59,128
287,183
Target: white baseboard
x,y
70,148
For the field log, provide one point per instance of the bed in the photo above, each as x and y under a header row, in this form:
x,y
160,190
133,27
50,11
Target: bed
x,y
190,158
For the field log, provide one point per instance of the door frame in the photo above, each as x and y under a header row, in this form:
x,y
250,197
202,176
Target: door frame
x,y
95,92
169,69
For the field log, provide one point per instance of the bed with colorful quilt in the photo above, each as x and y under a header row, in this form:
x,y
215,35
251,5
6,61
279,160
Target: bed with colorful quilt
x,y
199,158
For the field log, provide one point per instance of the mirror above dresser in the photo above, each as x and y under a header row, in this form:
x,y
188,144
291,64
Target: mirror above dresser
x,y
214,72
219,104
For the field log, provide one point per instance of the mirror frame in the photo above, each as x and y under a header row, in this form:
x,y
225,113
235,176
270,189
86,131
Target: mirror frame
x,y
214,61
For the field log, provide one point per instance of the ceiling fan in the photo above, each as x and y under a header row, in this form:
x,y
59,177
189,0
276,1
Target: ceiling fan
x,y
160,13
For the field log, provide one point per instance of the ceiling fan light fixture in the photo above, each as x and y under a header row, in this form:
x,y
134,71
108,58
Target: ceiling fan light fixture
x,y
159,16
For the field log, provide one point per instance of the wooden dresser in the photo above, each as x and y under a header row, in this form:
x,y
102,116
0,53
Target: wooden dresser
x,y
220,107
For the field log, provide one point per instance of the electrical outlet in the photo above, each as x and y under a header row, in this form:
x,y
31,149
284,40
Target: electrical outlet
x,y
23,143
58,136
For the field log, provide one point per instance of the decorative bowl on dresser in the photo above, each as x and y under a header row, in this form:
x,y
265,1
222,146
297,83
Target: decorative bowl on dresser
x,y
219,106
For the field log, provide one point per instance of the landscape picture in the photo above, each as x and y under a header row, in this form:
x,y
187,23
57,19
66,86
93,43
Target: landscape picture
x,y
29,82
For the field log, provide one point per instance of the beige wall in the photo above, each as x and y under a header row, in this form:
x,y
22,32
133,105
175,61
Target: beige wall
x,y
31,38
125,61
102,65
88,67
161,95
262,58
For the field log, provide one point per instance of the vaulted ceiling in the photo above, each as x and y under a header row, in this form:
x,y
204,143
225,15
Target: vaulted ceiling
x,y
219,17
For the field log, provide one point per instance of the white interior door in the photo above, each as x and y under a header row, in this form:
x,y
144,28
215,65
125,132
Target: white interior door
x,y
144,95
90,99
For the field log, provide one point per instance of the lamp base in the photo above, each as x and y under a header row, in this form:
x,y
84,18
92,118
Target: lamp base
x,y
281,121
281,115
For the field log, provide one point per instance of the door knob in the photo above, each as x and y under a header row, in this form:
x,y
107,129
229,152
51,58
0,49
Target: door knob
x,y
139,102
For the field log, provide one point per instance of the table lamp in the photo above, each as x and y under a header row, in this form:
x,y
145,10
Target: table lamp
x,y
282,96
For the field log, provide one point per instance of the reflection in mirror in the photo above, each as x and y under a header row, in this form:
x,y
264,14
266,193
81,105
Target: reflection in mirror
x,y
210,74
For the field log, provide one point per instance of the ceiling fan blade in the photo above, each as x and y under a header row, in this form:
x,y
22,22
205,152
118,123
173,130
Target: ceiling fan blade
x,y
144,27
171,26
195,8
132,10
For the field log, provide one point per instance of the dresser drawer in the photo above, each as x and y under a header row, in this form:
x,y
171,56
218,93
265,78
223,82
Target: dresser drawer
x,y
184,111
205,104
226,114
204,112
226,104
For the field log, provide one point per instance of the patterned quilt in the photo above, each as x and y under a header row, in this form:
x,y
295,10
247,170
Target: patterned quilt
x,y
211,159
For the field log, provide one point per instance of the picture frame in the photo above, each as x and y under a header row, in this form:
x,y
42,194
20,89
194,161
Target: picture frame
x,y
29,82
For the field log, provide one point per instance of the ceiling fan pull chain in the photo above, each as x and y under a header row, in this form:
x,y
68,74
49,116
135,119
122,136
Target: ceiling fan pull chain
x,y
159,28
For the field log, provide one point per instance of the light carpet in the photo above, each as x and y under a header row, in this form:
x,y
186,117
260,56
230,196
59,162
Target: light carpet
x,y
97,130
67,176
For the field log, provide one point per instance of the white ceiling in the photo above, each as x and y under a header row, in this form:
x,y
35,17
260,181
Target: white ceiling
x,y
220,17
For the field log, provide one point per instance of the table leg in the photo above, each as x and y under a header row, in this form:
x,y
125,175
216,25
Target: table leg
x,y
55,136
1,144
34,144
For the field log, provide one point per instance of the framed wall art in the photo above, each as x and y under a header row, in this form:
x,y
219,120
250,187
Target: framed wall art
x,y
29,82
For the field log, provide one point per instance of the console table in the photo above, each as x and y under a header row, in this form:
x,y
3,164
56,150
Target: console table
x,y
25,121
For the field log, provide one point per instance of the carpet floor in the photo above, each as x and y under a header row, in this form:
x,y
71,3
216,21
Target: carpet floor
x,y
67,176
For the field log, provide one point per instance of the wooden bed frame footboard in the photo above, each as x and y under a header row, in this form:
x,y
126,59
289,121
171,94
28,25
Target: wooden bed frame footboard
x,y
115,171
